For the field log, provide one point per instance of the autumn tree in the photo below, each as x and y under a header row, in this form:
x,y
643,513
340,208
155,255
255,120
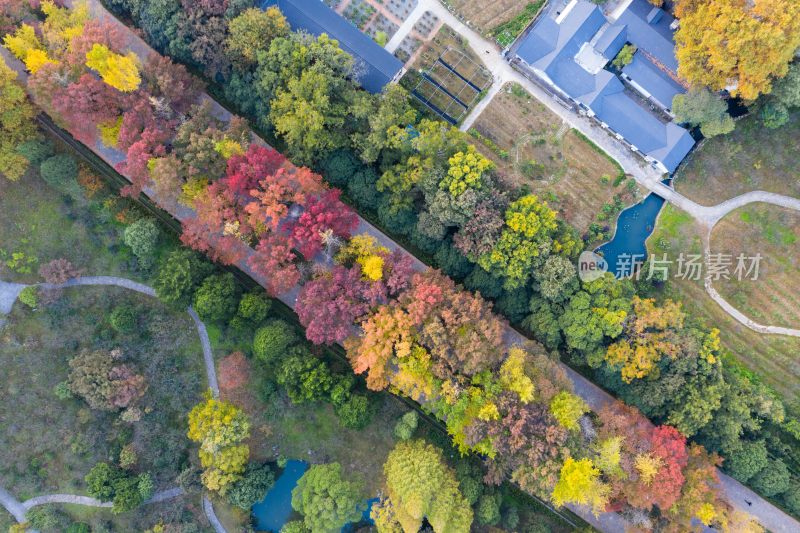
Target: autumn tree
x,y
274,262
276,192
669,446
526,443
171,86
220,427
329,305
457,327
580,483
245,171
387,333
58,271
103,381
568,408
84,104
650,333
420,486
737,44
326,500
251,32
525,241
16,124
234,371
120,72
479,235
324,216
466,171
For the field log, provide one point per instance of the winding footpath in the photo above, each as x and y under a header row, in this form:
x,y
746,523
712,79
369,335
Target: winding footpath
x,y
9,293
739,496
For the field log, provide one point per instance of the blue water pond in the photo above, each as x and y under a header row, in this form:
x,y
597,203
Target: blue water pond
x,y
634,225
274,510
271,513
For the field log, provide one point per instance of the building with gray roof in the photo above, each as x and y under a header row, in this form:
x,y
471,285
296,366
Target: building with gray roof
x,y
379,66
569,53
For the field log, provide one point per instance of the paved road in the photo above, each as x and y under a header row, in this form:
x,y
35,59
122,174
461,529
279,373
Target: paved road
x,y
406,27
212,516
770,517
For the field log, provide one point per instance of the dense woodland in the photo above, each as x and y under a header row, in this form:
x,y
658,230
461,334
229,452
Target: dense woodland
x,y
419,334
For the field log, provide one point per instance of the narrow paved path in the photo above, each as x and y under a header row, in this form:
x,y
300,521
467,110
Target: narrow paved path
x,y
406,27
76,499
208,356
12,505
212,516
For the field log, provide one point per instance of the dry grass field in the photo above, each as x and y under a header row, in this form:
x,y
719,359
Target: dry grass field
x,y
774,298
485,16
532,148
773,357
751,158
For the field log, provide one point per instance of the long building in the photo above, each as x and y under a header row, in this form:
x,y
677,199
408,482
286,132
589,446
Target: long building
x,y
379,66
571,50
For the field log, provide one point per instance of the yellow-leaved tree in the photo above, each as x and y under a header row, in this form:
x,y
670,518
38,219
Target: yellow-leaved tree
x,y
568,408
738,44
220,427
120,72
579,482
16,123
513,376
25,45
651,332
62,24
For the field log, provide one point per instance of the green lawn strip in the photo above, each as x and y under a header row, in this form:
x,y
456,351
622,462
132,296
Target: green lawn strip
x,y
507,32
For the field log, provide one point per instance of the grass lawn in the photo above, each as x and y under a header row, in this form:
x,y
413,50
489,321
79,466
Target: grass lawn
x,y
773,357
43,225
774,298
47,445
751,158
532,149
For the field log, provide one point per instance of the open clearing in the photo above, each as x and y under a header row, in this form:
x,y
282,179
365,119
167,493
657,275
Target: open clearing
x,y
532,149
751,158
773,232
773,357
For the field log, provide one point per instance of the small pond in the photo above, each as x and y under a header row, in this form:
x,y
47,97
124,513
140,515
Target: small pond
x,y
271,513
634,225
275,509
